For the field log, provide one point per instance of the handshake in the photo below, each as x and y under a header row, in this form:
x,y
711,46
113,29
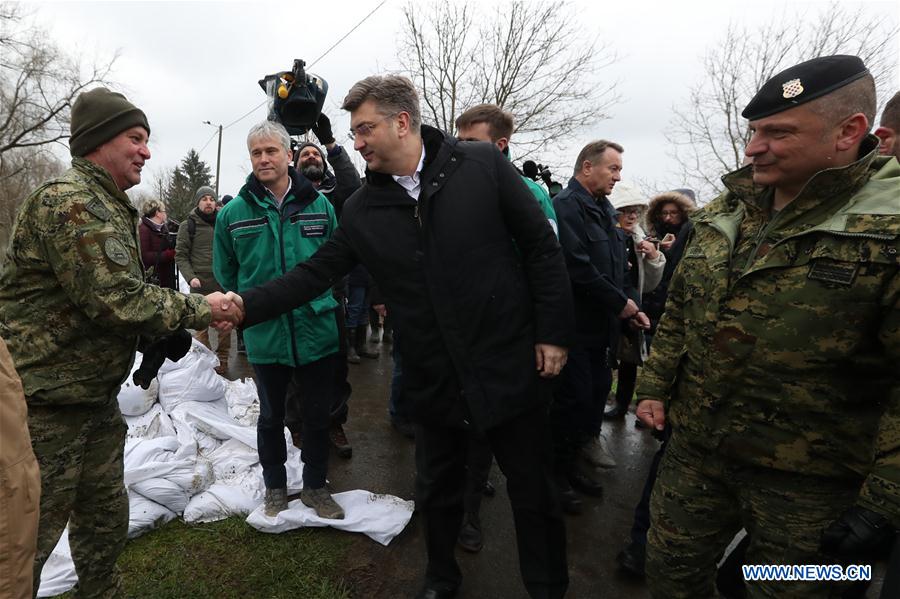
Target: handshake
x,y
227,310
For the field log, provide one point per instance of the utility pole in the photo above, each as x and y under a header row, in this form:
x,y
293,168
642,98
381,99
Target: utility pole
x,y
218,156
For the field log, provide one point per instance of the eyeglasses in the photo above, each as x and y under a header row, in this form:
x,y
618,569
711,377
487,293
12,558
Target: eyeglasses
x,y
365,129
630,210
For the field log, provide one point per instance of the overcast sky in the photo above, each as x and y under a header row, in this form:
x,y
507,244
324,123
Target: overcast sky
x,y
187,62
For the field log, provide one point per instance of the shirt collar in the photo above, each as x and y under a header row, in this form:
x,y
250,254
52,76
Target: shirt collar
x,y
412,183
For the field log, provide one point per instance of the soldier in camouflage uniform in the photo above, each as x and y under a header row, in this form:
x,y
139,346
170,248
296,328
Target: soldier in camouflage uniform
x,y
73,303
776,360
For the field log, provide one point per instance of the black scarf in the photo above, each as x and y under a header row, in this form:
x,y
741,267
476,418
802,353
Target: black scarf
x,y
209,219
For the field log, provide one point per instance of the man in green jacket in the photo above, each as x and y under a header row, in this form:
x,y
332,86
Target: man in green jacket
x,y
73,304
776,359
194,257
276,221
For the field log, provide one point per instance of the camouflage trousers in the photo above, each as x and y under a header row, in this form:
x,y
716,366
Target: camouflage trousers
x,y
80,451
701,501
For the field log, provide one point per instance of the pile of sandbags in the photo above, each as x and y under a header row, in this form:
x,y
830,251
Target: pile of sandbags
x,y
191,451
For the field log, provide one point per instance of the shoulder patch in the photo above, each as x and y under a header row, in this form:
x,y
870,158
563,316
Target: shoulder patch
x,y
97,208
116,251
694,251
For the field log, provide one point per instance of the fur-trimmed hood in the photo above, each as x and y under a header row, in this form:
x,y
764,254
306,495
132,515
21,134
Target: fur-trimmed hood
x,y
656,203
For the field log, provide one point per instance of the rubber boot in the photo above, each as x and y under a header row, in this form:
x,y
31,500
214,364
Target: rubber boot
x,y
361,349
352,356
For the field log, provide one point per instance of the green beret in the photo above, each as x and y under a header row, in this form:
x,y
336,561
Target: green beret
x,y
98,116
804,82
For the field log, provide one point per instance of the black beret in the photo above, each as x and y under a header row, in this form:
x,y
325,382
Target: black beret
x,y
804,82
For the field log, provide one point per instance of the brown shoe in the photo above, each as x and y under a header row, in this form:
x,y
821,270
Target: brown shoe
x,y
339,440
321,501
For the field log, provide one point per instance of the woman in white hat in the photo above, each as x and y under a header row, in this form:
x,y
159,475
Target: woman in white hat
x,y
646,265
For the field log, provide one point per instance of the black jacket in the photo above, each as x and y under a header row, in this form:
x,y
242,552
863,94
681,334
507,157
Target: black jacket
x,y
472,272
597,262
654,302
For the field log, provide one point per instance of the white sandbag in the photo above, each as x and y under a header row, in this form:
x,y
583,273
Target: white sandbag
x,y
144,515
232,461
133,400
221,501
243,401
165,471
197,352
155,423
164,492
58,575
193,378
213,419
380,517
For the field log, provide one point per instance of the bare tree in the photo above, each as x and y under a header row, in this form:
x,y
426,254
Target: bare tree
x,y
38,83
528,58
31,166
708,134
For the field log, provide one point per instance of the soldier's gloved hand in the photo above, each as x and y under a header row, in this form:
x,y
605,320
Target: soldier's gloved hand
x,y
322,129
177,344
859,532
154,356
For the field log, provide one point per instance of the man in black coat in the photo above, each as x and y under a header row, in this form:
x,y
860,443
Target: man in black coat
x,y
474,274
596,258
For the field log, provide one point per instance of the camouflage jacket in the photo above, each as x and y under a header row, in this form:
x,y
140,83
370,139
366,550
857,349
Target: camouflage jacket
x,y
780,344
72,296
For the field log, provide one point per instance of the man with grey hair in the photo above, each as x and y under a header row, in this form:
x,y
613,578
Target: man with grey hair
x,y
472,270
277,220
597,264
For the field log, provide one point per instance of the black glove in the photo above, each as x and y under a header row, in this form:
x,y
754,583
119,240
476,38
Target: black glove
x,y
173,347
178,344
322,129
858,533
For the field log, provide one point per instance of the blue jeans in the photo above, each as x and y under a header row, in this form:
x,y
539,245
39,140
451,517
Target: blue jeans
x,y
357,311
314,382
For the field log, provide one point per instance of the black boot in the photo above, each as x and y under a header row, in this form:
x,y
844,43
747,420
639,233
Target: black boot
x,y
632,559
352,356
571,503
470,537
361,349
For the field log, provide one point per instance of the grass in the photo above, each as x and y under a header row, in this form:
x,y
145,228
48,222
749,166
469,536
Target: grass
x,y
229,559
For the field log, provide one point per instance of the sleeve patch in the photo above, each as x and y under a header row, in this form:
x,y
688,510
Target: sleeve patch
x,y
97,208
116,251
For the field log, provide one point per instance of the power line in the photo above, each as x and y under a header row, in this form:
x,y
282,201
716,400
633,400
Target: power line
x,y
333,46
216,132
249,112
355,27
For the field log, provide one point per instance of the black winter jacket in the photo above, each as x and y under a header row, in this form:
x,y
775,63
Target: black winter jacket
x,y
473,274
597,262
